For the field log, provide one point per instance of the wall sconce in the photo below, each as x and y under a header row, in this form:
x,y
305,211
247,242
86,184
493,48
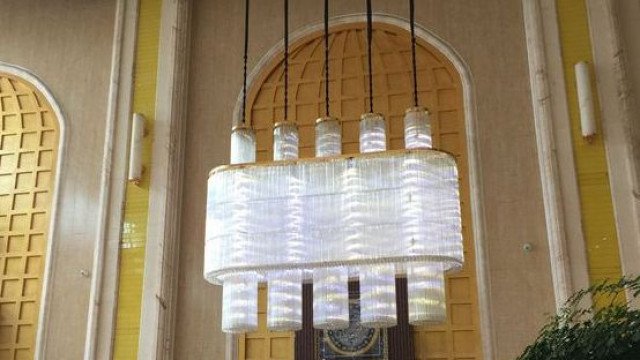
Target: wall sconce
x,y
585,101
135,149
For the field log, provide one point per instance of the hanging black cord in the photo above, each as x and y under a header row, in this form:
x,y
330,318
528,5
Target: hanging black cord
x,y
369,40
326,57
286,60
246,50
412,15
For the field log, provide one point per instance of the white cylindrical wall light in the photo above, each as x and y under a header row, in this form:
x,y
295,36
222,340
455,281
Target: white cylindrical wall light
x,y
585,101
135,149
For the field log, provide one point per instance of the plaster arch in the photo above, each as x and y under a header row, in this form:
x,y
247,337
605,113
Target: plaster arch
x,y
33,80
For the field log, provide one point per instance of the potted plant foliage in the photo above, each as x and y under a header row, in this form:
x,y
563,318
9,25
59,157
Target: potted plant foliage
x,y
607,328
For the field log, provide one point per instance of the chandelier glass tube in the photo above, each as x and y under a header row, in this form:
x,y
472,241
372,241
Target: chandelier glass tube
x,y
328,137
330,285
426,295
425,284
417,128
373,133
243,145
284,291
240,304
331,298
285,141
377,282
239,297
240,293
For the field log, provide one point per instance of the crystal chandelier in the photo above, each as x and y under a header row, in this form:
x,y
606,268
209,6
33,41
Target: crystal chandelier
x,y
369,217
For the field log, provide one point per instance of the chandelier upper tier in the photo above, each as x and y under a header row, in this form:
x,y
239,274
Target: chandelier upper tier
x,y
388,207
369,217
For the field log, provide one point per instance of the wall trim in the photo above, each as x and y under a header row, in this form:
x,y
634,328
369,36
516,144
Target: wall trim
x,y
43,316
475,170
104,280
561,123
159,288
547,159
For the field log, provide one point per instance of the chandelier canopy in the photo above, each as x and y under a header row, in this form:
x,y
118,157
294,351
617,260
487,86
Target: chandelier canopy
x,y
369,217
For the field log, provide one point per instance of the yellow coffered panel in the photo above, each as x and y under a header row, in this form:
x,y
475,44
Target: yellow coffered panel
x,y
29,138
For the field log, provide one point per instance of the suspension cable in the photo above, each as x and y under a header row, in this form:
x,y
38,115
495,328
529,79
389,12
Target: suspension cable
x,y
286,60
369,40
412,16
326,58
246,51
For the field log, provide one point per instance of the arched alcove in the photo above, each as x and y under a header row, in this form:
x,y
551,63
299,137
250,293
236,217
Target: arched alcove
x,y
30,138
444,87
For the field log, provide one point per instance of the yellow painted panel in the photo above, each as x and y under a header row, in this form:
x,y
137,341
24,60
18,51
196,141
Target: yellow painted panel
x,y
28,156
134,230
596,205
263,344
440,90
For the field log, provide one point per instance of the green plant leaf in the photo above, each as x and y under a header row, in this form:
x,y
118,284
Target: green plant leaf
x,y
597,332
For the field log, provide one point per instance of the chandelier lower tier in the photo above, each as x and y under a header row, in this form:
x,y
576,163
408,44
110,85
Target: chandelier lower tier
x,y
372,217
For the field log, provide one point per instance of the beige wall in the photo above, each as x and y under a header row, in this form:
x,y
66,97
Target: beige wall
x,y
67,44
489,36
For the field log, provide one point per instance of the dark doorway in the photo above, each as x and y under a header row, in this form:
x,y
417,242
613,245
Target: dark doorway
x,y
398,340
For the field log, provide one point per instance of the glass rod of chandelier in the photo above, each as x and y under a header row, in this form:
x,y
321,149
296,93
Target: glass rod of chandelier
x,y
240,292
284,290
425,282
330,285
